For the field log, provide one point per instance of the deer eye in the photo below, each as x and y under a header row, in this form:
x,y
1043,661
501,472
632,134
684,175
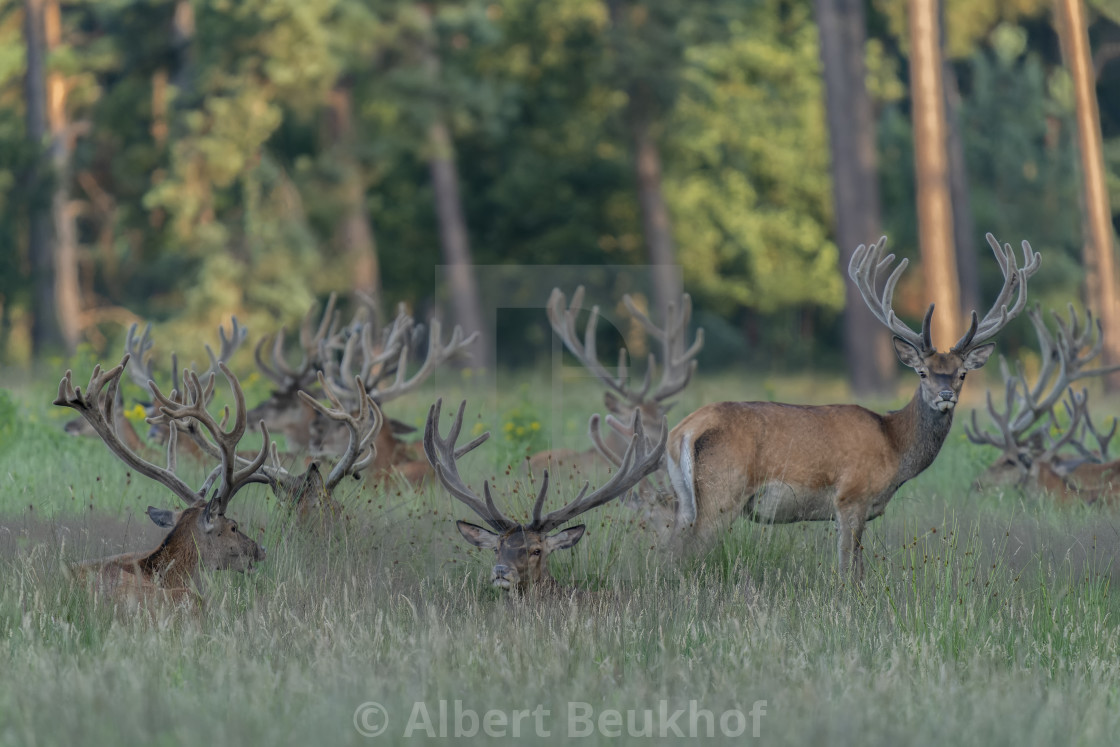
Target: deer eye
x,y
963,375
535,551
922,374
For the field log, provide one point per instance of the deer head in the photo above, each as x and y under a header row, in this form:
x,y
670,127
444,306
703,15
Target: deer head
x,y
522,549
941,374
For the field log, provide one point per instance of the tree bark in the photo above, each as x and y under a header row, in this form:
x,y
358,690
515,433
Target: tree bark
x,y
855,182
656,225
354,233
964,230
67,286
935,214
454,239
1100,269
45,332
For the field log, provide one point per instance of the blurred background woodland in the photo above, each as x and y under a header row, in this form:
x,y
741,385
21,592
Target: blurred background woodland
x,y
180,161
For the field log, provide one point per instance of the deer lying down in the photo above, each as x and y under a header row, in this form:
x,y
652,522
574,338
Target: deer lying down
x,y
785,463
522,550
202,537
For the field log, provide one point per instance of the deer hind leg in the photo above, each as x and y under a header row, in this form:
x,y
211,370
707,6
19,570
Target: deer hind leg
x,y
850,521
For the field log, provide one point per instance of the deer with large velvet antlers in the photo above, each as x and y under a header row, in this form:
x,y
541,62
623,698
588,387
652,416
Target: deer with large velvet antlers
x,y
784,463
202,536
522,549
622,400
1029,456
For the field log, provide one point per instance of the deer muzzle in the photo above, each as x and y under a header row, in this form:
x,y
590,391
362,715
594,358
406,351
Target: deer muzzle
x,y
504,577
947,400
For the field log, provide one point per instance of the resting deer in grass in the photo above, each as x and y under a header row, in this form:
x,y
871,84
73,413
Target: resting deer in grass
x,y
1029,458
202,537
677,368
522,550
785,463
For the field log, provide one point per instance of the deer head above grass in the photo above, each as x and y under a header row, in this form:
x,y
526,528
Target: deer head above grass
x,y
522,548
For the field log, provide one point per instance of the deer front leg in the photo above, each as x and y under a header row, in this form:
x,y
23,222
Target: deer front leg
x,y
851,517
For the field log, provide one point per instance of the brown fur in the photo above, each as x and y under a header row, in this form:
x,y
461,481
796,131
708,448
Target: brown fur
x,y
172,571
786,463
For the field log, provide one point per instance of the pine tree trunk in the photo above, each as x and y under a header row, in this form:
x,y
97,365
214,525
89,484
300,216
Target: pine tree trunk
x,y
851,128
454,240
67,286
935,214
45,332
354,233
964,236
1100,268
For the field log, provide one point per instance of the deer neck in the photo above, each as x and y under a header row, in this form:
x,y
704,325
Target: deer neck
x,y
917,432
174,562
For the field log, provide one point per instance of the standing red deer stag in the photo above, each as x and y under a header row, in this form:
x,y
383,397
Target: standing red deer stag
x,y
783,463
522,550
201,536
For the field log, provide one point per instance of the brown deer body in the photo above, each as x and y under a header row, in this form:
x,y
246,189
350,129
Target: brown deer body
x,y
785,463
202,537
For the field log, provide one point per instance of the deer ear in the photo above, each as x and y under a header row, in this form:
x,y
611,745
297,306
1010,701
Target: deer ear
x,y
397,428
977,356
477,536
907,353
163,517
565,539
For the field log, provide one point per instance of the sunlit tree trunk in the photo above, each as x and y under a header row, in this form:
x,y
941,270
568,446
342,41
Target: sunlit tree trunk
x,y
67,287
45,331
855,183
656,225
935,214
354,233
1100,270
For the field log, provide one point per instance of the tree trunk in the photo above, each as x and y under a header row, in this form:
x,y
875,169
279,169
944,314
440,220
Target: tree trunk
x,y
45,332
935,214
656,225
354,233
855,182
1100,270
455,241
964,236
67,287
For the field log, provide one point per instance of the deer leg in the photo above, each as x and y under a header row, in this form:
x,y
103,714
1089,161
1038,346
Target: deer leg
x,y
850,521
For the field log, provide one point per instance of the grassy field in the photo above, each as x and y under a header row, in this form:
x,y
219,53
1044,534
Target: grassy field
x,y
984,619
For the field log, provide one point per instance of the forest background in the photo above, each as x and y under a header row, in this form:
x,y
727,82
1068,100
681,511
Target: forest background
x,y
180,161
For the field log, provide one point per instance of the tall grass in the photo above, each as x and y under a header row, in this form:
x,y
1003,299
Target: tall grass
x,y
984,619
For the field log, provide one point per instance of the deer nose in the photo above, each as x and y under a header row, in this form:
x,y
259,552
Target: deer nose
x,y
946,394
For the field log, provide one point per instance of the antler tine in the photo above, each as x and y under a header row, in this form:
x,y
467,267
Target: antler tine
x,y
228,344
96,406
1014,278
1076,408
677,369
194,406
310,341
639,460
363,428
1011,436
865,270
562,319
437,354
443,456
1102,439
139,366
